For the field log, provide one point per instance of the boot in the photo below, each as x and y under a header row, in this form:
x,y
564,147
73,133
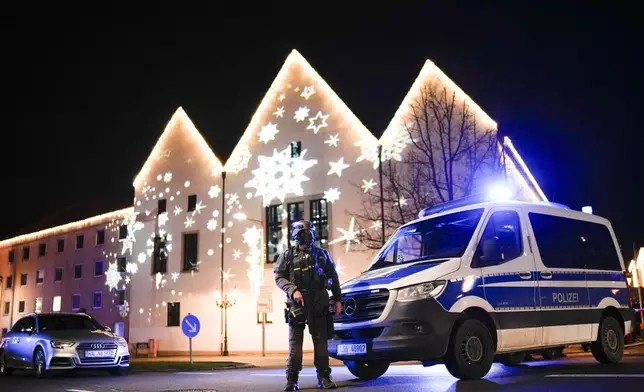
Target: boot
x,y
291,382
325,382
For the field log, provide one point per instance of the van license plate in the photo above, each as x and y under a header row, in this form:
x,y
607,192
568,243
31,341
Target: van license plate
x,y
98,354
352,349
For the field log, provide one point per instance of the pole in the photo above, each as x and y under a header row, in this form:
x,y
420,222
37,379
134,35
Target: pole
x,y
190,340
382,197
226,329
223,226
13,288
263,334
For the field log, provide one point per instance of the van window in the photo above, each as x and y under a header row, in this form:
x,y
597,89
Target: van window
x,y
572,243
501,240
443,237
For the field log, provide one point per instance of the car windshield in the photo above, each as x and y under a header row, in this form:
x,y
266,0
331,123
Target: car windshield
x,y
67,323
443,237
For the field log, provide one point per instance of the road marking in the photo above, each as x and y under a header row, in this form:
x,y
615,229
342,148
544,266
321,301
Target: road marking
x,y
78,390
595,375
279,375
195,373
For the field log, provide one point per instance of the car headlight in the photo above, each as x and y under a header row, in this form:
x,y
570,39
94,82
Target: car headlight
x,y
122,343
421,291
62,343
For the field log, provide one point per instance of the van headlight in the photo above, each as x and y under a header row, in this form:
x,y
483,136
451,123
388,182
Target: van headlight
x,y
421,291
61,343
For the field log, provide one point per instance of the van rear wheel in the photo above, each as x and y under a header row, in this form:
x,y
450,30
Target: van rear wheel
x,y
470,351
609,346
367,370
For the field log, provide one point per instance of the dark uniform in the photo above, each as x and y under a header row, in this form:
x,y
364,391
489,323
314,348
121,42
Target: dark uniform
x,y
310,271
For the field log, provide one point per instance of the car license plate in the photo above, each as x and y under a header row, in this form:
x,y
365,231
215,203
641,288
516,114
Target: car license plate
x,y
352,349
99,354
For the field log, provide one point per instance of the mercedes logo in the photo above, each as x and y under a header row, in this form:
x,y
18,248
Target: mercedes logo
x,y
350,307
98,345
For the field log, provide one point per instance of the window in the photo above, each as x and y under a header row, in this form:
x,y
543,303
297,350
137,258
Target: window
x,y
121,263
120,297
434,239
24,325
98,268
274,242
98,300
162,206
9,282
190,250
76,301
100,237
571,243
160,256
320,219
174,314
12,255
501,240
60,245
268,317
57,304
4,332
38,305
21,306
122,232
295,213
23,279
192,202
58,274
40,276
78,271
25,253
296,149
80,241
42,250
7,305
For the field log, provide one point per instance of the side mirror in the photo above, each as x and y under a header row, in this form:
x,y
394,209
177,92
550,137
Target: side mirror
x,y
107,329
489,253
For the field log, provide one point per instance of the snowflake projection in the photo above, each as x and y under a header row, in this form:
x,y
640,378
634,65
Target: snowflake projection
x,y
198,207
240,159
368,152
393,144
279,112
237,254
112,276
174,276
280,175
167,177
228,275
232,201
252,238
163,219
308,92
337,167
159,177
301,114
124,309
333,140
132,268
127,280
142,258
214,191
189,222
212,225
377,224
132,227
402,202
159,280
332,195
177,210
349,235
314,125
268,132
368,185
282,97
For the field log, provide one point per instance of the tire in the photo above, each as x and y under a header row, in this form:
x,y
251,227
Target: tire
x,y
367,370
512,359
552,353
4,370
609,346
40,363
585,347
470,351
118,371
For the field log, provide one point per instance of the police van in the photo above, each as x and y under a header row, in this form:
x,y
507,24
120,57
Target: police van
x,y
474,280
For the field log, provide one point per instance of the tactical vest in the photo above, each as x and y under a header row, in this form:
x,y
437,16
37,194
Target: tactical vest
x,y
308,273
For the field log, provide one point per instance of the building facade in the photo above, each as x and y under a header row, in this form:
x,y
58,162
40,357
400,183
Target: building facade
x,y
203,235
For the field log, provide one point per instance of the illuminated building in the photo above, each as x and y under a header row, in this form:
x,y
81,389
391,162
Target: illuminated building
x,y
304,155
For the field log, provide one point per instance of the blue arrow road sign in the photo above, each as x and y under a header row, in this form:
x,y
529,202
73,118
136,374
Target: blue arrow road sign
x,y
190,325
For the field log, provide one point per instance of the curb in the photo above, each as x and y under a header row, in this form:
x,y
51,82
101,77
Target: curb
x,y
214,369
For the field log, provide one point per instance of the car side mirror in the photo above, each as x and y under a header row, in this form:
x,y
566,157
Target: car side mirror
x,y
107,329
489,253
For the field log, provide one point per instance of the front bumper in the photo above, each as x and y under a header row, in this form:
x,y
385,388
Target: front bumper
x,y
71,358
411,331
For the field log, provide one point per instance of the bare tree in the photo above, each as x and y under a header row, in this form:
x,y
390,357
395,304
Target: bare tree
x,y
450,155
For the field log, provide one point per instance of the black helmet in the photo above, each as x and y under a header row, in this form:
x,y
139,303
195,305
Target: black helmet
x,y
299,231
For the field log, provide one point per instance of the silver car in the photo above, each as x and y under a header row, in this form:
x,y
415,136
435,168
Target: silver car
x,y
44,342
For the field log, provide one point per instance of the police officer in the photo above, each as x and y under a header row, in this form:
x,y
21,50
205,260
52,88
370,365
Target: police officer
x,y
304,273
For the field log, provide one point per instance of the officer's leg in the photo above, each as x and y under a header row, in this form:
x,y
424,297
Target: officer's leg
x,y
321,352
294,363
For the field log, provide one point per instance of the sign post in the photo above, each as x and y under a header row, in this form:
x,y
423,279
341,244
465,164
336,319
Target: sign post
x,y
264,306
190,327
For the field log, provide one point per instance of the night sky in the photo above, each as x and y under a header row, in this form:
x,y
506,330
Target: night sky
x,y
85,97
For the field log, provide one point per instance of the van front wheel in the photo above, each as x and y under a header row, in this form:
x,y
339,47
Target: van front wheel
x,y
367,370
470,352
609,346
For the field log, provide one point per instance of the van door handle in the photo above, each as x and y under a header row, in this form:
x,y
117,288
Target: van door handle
x,y
546,274
525,275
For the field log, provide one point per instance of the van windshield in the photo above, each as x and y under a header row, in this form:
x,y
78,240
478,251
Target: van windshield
x,y
443,237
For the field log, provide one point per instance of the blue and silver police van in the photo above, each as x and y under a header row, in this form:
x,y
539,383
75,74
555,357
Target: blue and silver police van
x,y
477,280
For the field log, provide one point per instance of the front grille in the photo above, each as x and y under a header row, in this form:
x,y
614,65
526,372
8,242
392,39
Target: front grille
x,y
60,362
83,348
359,333
362,306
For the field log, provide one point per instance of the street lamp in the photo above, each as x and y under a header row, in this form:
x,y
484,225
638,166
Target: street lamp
x,y
225,303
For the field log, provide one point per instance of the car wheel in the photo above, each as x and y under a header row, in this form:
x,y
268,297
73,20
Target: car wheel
x,y
470,351
367,370
552,353
609,346
512,359
118,371
4,370
40,363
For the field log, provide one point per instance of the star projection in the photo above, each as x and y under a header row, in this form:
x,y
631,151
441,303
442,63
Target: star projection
x,y
348,235
332,141
368,185
337,167
332,195
280,175
308,92
318,122
301,114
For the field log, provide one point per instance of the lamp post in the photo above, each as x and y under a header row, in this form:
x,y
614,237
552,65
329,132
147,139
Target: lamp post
x,y
224,303
382,201
224,326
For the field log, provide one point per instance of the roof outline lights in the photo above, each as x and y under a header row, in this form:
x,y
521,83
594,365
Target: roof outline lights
x,y
524,167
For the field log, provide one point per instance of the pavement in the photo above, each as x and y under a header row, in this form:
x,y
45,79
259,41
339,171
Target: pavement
x,y
577,371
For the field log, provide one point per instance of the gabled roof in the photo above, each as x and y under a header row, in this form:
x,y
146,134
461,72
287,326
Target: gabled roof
x,y
513,154
179,121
